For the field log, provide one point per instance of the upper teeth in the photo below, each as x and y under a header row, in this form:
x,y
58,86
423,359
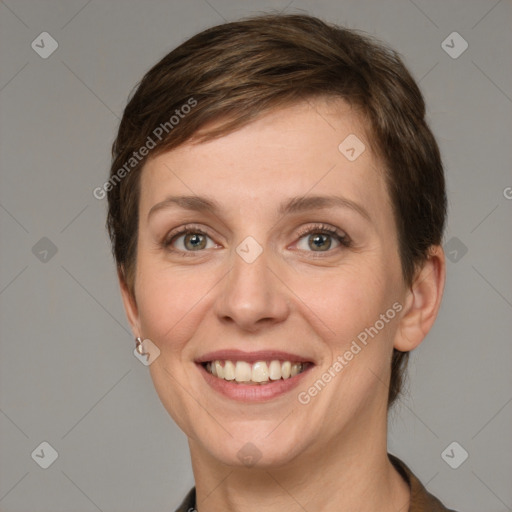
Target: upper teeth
x,y
260,371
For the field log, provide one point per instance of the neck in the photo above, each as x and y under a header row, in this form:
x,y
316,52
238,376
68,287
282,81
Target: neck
x,y
352,472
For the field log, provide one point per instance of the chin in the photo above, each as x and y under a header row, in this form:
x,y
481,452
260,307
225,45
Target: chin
x,y
255,454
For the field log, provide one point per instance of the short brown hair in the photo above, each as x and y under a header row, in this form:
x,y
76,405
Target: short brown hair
x,y
235,72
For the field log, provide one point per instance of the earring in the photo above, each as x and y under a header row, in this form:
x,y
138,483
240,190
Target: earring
x,y
138,346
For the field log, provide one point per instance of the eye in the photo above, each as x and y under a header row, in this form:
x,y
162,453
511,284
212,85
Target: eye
x,y
189,239
320,238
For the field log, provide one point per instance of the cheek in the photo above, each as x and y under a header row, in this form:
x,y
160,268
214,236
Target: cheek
x,y
357,338
169,302
349,300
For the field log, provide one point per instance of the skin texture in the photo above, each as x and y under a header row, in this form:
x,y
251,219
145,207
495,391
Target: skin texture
x,y
329,454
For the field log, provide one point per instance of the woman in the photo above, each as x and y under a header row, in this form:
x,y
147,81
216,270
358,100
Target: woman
x,y
276,209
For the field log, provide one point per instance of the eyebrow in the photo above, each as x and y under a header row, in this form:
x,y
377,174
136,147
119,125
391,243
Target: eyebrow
x,y
288,207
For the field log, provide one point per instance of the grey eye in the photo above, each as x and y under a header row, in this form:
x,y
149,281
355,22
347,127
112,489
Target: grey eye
x,y
317,242
192,241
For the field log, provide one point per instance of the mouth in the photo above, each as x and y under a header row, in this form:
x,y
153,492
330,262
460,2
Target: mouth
x,y
253,377
256,374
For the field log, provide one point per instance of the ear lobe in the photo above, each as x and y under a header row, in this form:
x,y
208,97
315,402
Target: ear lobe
x,y
422,302
130,304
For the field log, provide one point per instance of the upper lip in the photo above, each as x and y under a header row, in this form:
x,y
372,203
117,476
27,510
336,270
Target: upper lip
x,y
251,357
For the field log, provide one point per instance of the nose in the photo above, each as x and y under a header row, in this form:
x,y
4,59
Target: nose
x,y
252,296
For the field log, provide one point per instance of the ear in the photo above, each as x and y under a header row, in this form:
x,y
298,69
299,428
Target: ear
x,y
422,302
130,304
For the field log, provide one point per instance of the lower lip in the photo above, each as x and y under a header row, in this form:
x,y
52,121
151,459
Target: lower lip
x,y
252,392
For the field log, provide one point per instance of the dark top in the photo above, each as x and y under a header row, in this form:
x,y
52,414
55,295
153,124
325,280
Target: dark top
x,y
421,499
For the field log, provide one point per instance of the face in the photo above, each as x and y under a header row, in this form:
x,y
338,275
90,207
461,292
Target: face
x,y
284,260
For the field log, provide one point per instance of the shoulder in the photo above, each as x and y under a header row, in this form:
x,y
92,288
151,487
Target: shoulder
x,y
421,499
189,503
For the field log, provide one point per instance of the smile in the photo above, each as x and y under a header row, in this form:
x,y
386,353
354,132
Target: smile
x,y
251,377
257,373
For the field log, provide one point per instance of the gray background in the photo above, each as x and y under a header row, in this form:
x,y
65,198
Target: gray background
x,y
68,375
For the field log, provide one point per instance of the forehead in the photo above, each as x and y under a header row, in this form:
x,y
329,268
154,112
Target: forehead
x,y
316,146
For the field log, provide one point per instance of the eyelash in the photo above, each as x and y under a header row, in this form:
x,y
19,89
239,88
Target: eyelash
x,y
189,228
324,229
